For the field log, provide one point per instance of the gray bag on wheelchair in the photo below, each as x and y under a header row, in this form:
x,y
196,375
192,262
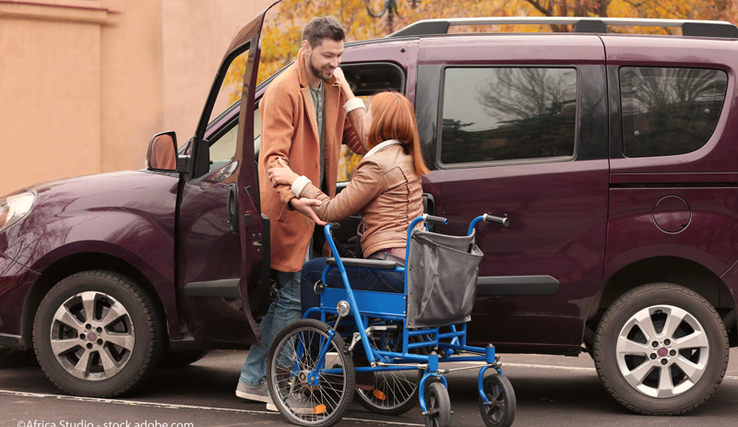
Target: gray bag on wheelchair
x,y
442,279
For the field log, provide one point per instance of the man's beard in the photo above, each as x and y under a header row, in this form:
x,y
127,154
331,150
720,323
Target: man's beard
x,y
318,72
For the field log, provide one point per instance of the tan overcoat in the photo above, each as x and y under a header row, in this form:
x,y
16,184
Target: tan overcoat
x,y
289,130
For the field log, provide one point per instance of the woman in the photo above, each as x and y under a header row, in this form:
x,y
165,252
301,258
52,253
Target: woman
x,y
386,189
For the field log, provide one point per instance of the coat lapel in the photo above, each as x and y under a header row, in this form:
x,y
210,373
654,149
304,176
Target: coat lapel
x,y
307,97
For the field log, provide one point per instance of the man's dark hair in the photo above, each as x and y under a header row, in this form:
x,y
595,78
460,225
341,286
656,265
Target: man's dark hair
x,y
323,27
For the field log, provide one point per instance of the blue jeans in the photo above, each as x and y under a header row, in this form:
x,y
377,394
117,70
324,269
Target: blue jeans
x,y
282,311
365,280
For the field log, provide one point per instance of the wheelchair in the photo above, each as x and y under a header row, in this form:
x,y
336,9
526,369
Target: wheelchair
x,y
404,337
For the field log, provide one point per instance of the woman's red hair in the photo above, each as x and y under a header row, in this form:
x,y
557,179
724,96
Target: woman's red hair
x,y
394,118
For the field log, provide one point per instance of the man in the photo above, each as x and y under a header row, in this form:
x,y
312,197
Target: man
x,y
304,124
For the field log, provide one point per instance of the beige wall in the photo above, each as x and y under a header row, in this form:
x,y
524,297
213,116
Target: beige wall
x,y
84,84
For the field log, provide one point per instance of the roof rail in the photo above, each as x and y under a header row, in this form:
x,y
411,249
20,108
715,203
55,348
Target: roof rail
x,y
693,28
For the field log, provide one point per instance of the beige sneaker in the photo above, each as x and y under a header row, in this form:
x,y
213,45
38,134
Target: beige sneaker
x,y
258,393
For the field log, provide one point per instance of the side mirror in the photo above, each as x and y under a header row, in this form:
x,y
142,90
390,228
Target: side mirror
x,y
162,154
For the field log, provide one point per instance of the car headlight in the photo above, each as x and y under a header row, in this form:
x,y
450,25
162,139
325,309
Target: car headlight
x,y
14,208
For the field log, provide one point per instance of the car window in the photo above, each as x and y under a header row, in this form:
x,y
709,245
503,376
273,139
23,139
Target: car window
x,y
668,111
223,149
367,79
508,114
232,87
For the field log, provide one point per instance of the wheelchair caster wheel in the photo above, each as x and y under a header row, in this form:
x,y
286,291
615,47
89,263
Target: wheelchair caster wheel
x,y
438,406
502,403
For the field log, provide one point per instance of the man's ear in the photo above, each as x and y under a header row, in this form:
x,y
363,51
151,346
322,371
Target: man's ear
x,y
306,45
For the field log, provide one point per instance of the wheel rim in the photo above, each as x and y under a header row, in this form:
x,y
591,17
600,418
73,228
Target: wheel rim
x,y
497,405
309,400
662,351
92,336
438,407
433,408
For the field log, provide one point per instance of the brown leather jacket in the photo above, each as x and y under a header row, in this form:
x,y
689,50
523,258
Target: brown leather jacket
x,y
388,193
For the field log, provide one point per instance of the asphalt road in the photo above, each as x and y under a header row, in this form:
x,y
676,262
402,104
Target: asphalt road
x,y
551,391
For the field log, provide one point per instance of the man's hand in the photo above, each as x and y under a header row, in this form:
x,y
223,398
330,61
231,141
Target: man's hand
x,y
305,207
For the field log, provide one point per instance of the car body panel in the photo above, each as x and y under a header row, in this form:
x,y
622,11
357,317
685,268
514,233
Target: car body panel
x,y
557,208
125,215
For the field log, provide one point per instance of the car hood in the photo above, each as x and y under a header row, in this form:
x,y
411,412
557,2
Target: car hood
x,y
91,208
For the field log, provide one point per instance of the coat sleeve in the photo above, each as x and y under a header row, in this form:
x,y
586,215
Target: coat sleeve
x,y
278,109
368,182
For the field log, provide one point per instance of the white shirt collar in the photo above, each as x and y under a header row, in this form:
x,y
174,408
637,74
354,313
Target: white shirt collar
x,y
382,146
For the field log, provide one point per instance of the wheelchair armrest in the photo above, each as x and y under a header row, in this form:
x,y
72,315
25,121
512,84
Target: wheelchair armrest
x,y
364,263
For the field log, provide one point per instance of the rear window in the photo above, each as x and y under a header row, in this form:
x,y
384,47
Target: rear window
x,y
508,114
668,111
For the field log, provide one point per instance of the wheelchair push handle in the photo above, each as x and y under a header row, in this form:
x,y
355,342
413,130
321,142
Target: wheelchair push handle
x,y
505,221
430,219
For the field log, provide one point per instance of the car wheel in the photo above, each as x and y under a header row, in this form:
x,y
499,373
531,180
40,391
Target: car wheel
x,y
96,333
661,349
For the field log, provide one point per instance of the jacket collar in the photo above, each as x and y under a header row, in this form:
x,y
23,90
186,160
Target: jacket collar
x,y
381,146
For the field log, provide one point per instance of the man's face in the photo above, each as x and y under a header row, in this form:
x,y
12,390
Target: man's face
x,y
324,59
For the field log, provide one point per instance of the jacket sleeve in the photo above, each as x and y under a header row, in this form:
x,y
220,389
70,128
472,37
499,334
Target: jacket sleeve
x,y
368,182
277,112
353,131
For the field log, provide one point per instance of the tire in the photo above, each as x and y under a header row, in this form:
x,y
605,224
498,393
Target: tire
x,y
321,402
503,404
437,406
180,359
395,392
661,349
97,334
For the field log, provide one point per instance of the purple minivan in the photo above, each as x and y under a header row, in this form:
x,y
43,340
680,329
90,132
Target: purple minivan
x,y
613,155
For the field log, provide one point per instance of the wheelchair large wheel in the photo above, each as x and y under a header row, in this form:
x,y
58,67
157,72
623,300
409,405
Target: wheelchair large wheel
x,y
437,406
502,402
395,392
302,392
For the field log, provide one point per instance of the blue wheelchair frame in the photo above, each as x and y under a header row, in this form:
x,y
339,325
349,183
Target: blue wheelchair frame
x,y
387,306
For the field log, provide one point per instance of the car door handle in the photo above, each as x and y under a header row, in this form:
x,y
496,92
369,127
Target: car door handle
x,y
232,208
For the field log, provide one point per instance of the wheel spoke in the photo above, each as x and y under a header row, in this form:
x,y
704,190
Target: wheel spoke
x,y
636,376
88,304
63,346
675,317
643,320
109,365
63,315
82,368
116,312
626,346
691,370
127,341
697,339
666,386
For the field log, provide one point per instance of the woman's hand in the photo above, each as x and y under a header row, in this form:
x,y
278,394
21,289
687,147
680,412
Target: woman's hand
x,y
341,80
282,175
